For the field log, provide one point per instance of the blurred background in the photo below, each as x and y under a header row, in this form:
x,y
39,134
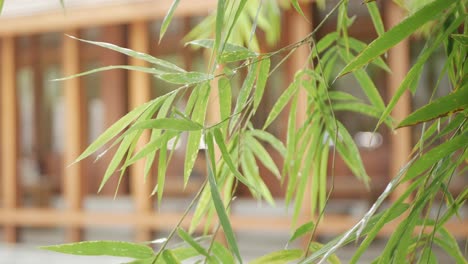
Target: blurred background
x,y
45,124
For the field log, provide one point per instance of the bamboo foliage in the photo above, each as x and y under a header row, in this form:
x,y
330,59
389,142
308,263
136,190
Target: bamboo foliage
x,y
438,157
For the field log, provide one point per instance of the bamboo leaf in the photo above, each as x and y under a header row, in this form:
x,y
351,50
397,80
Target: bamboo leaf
x,y
220,252
189,240
298,8
443,106
225,100
281,103
1,5
152,146
302,230
376,19
162,166
462,38
134,54
167,124
397,34
279,257
219,24
222,215
117,159
416,70
262,154
231,52
270,139
245,91
186,78
429,158
113,67
261,81
104,248
191,153
169,257
227,158
448,242
114,130
168,18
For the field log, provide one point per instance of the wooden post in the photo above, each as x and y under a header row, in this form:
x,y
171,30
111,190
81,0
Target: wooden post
x,y
398,61
9,134
113,94
75,114
139,93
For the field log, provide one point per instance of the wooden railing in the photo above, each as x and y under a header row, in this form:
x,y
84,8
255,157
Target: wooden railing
x,y
144,219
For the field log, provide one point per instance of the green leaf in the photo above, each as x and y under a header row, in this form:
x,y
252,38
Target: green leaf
x,y
220,252
462,38
227,158
281,103
279,257
152,146
219,24
376,19
1,5
443,106
167,19
134,54
448,243
231,52
270,139
302,230
104,248
262,154
167,124
162,166
189,240
194,138
261,81
113,67
245,92
398,33
417,68
118,156
429,158
330,246
225,100
186,78
222,215
169,257
296,6
114,130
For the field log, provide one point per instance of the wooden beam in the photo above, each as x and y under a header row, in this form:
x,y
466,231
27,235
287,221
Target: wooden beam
x,y
75,114
139,93
57,20
332,224
9,133
399,62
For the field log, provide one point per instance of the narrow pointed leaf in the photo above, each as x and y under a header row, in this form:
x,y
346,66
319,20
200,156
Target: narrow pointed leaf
x,y
298,8
223,217
281,103
104,248
463,39
443,106
114,130
270,139
376,19
302,230
261,81
279,257
168,18
397,34
225,99
263,155
189,240
117,159
186,78
167,124
134,54
113,67
429,158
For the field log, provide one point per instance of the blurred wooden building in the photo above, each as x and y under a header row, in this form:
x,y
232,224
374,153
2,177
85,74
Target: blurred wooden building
x,y
45,125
